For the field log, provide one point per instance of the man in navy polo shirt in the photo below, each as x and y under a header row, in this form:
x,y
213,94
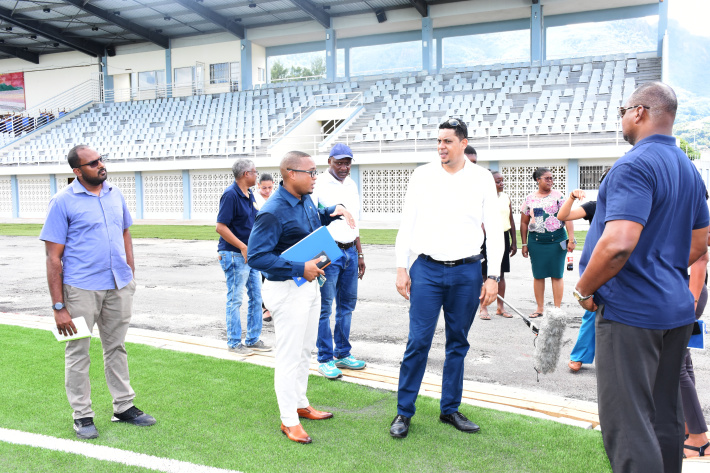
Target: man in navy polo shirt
x,y
651,223
237,211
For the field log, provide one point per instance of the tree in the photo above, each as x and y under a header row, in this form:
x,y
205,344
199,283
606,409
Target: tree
x,y
692,153
278,71
318,67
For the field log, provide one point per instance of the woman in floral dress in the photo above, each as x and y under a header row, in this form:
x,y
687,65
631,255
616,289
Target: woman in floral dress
x,y
544,238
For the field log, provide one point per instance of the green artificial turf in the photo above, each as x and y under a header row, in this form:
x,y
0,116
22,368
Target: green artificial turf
x,y
223,413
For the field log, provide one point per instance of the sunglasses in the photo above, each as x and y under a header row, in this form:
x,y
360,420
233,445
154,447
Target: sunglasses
x,y
452,122
95,162
623,110
313,173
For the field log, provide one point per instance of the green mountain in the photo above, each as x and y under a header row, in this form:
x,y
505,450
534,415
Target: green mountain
x,y
4,87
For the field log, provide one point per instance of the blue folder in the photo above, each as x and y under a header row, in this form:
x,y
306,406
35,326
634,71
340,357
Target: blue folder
x,y
310,247
698,341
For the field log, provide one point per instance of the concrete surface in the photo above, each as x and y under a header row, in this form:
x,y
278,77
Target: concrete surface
x,y
181,290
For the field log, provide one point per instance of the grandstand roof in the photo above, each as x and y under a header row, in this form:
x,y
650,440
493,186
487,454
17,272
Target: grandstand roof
x,y
32,28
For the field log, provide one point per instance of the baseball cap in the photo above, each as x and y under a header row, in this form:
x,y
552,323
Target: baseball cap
x,y
341,151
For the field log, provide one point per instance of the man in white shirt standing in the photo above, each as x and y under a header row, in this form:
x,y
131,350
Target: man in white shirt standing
x,y
441,235
336,187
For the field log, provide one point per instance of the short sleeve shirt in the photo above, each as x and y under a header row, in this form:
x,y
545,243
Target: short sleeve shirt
x,y
590,208
237,211
543,211
91,229
656,185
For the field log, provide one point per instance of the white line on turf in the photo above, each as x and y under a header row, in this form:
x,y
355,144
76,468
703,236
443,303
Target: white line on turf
x,y
101,452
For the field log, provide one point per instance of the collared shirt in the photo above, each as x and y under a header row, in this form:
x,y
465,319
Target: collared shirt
x,y
443,212
91,229
282,222
328,192
237,211
656,185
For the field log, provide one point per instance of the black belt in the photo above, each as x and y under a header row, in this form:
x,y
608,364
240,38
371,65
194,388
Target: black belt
x,y
451,264
345,246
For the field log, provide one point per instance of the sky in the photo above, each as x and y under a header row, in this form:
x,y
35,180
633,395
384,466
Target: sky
x,y
692,14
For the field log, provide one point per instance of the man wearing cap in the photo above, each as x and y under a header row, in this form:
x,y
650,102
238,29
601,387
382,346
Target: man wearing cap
x,y
336,187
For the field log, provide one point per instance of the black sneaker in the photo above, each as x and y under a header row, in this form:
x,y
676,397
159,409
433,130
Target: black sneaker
x,y
134,416
85,428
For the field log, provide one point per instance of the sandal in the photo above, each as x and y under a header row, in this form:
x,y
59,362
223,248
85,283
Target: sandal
x,y
485,317
700,450
504,314
535,315
267,318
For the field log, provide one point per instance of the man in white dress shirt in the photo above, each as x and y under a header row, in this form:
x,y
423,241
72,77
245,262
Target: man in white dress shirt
x,y
441,236
336,187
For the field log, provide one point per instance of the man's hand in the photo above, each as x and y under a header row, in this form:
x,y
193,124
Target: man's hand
x,y
571,245
514,249
589,305
489,292
311,270
244,253
360,267
64,322
403,283
340,210
525,251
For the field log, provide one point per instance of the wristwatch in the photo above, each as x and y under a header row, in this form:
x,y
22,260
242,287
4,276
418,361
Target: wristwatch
x,y
58,306
495,278
580,297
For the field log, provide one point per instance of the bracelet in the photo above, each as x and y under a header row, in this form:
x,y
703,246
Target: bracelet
x,y
524,244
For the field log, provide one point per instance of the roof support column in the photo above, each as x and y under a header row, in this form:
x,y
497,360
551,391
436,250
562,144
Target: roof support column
x,y
246,66
537,38
347,62
331,51
108,80
428,63
168,73
662,25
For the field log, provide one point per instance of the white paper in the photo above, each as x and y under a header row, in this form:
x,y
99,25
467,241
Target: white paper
x,y
81,327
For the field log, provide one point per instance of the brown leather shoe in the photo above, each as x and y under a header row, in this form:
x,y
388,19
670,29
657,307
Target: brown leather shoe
x,y
296,433
575,365
310,413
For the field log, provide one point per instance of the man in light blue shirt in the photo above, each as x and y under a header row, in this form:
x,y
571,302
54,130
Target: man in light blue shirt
x,y
90,274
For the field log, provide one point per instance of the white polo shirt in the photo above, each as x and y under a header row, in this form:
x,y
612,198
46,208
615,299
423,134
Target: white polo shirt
x,y
330,191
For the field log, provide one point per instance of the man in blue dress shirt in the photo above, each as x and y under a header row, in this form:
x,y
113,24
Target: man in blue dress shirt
x,y
90,273
651,223
286,218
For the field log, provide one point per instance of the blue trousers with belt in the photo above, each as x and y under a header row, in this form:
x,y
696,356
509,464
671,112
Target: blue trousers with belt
x,y
433,287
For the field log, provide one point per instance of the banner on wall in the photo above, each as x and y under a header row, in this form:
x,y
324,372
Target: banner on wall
x,y
12,92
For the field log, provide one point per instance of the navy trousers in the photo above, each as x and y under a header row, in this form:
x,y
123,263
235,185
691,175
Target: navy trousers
x,y
456,289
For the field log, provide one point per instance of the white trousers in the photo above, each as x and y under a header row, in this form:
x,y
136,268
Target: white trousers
x,y
295,311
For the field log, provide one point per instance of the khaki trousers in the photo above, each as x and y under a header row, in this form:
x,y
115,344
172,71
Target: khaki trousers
x,y
111,310
296,311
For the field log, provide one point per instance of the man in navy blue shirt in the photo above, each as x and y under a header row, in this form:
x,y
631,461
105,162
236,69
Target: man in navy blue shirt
x,y
651,223
237,211
286,218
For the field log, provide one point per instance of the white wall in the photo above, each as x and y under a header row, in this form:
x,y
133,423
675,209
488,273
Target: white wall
x,y
258,60
54,74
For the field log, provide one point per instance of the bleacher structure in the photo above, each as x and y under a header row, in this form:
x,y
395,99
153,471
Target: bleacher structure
x,y
514,107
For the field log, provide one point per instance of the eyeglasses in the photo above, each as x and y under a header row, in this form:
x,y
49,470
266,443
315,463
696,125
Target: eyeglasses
x,y
95,162
252,172
547,179
313,173
623,110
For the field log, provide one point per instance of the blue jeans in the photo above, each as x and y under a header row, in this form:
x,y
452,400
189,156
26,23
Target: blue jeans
x,y
239,275
341,285
584,348
434,286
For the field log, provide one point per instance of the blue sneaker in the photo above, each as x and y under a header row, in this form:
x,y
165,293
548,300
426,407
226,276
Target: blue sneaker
x,y
329,370
349,362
